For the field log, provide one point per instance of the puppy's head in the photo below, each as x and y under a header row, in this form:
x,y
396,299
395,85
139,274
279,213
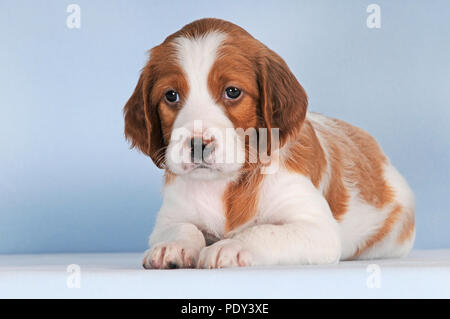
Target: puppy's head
x,y
205,92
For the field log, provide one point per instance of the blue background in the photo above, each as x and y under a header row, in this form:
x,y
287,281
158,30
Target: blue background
x,y
69,183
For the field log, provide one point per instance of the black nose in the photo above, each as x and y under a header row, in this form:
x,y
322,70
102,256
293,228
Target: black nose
x,y
199,149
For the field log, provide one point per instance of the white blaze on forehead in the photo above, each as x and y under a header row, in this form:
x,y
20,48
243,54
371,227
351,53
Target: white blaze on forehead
x,y
196,56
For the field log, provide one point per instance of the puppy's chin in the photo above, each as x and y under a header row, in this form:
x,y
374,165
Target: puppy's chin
x,y
207,173
204,174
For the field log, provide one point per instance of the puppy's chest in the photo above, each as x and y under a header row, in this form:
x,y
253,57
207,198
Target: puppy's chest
x,y
201,204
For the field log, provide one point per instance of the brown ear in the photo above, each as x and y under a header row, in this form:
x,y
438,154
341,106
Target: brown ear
x,y
142,123
283,100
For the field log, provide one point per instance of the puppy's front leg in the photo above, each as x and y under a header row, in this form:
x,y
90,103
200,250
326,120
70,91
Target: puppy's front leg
x,y
174,246
301,242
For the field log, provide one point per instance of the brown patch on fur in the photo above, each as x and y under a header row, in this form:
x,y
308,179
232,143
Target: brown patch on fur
x,y
233,70
284,101
337,194
353,156
382,232
169,177
241,199
235,67
306,156
148,117
407,229
167,115
368,167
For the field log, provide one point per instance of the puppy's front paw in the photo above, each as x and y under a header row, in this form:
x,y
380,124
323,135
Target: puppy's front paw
x,y
225,253
170,255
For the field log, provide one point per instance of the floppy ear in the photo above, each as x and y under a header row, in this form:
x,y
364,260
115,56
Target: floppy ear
x,y
142,123
283,100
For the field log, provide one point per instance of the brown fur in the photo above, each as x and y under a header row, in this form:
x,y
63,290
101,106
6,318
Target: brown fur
x,y
148,118
407,229
241,199
306,156
169,177
382,232
337,194
368,160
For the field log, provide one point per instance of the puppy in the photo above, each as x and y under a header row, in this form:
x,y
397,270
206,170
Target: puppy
x,y
310,190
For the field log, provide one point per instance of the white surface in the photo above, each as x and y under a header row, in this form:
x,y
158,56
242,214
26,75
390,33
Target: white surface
x,y
422,274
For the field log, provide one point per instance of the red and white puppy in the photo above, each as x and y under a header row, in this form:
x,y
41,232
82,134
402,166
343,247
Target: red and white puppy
x,y
332,195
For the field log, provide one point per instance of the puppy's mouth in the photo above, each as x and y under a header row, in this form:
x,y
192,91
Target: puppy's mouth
x,y
203,171
205,166
189,167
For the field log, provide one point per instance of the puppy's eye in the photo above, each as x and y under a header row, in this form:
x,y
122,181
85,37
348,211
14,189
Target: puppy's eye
x,y
232,92
172,96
